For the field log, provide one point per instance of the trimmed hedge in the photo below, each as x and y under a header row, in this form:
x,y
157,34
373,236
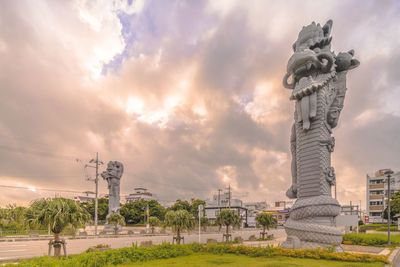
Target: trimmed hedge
x,y
374,226
164,251
384,229
370,239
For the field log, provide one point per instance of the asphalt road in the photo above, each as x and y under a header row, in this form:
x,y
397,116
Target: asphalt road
x,y
34,248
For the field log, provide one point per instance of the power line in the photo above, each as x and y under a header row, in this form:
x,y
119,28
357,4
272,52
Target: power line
x,y
43,176
40,189
176,186
36,153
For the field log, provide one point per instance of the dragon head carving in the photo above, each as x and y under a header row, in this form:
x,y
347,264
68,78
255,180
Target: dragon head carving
x,y
312,63
312,66
114,170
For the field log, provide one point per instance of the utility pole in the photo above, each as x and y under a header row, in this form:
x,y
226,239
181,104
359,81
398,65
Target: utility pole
x,y
351,208
388,173
96,181
219,197
229,192
148,214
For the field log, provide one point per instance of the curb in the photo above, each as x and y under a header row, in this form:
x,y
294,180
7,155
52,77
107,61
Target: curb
x,y
393,257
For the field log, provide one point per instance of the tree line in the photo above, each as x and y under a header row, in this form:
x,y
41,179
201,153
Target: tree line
x,y
59,213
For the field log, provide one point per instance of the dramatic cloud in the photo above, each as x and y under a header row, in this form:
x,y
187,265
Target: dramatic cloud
x,y
187,94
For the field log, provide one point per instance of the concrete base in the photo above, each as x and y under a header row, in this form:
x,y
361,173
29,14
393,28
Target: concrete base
x,y
294,242
110,228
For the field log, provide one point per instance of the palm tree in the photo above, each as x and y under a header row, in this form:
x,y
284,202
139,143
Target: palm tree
x,y
204,221
228,218
116,220
179,220
266,221
58,213
154,221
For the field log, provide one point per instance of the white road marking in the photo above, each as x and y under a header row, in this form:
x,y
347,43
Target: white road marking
x,y
12,250
11,245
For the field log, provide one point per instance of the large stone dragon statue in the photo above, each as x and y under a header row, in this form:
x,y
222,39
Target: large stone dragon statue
x,y
113,176
317,78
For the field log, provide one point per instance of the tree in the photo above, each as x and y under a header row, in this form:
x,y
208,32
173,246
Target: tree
x,y
180,205
133,212
228,218
204,221
102,210
154,221
266,221
179,220
58,213
394,206
194,207
13,218
116,220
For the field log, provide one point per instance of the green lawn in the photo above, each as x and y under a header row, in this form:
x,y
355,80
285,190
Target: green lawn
x,y
203,260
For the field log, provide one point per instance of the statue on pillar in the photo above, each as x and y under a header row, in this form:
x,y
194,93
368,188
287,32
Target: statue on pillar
x,y
113,176
316,77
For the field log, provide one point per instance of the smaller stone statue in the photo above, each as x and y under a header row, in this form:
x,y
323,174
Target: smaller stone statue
x,y
113,176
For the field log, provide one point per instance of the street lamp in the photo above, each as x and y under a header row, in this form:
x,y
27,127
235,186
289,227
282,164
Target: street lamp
x,y
388,174
200,209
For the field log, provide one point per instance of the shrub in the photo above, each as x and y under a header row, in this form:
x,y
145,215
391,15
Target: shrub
x,y
211,241
373,226
238,239
252,238
384,229
98,247
166,250
147,243
371,239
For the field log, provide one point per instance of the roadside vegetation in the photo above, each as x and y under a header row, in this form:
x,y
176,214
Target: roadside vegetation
x,y
228,218
266,221
377,240
229,260
140,255
57,214
179,221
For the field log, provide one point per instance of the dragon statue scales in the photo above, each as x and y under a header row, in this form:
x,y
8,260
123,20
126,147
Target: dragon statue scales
x,y
317,78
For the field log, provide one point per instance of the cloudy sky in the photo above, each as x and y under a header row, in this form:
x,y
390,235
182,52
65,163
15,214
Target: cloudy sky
x,y
187,94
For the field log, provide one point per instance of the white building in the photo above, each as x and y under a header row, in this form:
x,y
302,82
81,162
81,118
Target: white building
x,y
255,208
225,201
140,193
377,194
86,198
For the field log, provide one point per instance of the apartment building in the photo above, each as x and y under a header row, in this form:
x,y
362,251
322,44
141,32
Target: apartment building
x,y
140,193
377,194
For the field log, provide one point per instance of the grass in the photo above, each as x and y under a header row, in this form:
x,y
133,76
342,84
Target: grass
x,y
200,255
203,260
373,226
377,240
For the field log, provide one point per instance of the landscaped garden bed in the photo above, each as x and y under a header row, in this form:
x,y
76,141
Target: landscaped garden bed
x,y
370,239
134,254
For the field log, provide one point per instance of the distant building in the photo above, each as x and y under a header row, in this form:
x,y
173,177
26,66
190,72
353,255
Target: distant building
x,y
255,208
350,210
225,201
85,198
377,194
140,193
280,211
